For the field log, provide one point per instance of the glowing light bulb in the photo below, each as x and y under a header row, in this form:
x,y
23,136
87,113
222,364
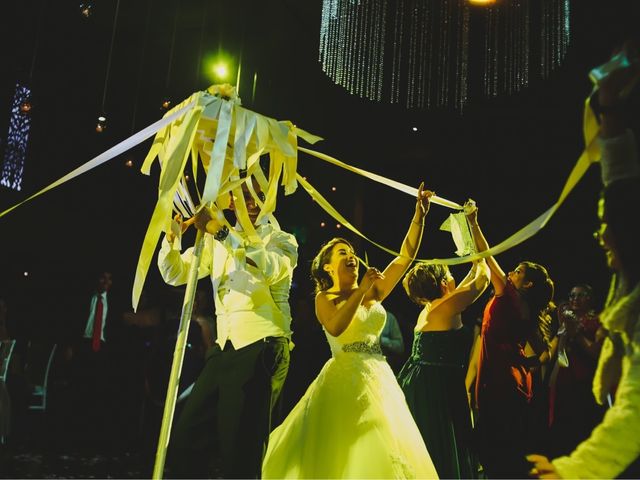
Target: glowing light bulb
x,y
221,70
85,9
482,3
102,124
26,106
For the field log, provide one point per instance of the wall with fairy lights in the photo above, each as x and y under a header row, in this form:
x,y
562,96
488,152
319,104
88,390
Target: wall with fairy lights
x,y
17,139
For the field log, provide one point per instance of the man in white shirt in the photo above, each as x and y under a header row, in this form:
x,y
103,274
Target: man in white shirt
x,y
231,403
94,331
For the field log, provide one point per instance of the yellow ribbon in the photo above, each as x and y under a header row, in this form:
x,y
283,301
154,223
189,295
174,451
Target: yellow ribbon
x,y
336,215
178,150
380,179
109,154
255,134
590,154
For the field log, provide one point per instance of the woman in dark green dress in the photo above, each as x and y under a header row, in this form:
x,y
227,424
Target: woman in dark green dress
x,y
433,379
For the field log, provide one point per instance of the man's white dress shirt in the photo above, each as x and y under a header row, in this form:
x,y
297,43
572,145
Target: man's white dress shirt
x,y
251,302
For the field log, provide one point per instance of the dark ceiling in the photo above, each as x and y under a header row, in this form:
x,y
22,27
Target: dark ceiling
x,y
511,154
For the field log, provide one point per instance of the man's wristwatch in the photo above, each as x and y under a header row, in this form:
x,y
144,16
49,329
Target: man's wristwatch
x,y
221,234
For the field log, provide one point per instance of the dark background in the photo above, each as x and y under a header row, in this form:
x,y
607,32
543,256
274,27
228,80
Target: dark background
x,y
511,154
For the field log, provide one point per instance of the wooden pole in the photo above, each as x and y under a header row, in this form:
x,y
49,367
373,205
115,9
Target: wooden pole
x,y
178,357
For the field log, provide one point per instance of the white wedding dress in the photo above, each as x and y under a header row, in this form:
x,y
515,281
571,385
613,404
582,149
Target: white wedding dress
x,y
353,421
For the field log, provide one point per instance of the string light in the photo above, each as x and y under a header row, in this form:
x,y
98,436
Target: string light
x,y
352,45
102,120
428,48
172,47
141,64
12,167
203,26
15,149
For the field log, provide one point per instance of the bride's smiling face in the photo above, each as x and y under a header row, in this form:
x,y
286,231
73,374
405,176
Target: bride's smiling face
x,y
343,264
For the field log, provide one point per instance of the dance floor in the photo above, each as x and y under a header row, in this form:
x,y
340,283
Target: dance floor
x,y
71,465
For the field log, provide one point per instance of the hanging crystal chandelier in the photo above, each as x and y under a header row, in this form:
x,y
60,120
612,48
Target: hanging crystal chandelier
x,y
352,44
439,53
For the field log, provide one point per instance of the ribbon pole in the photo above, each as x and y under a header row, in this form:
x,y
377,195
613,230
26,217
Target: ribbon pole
x,y
178,357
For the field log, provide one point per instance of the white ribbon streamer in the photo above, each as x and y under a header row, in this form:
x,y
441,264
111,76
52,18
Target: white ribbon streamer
x,y
114,151
380,179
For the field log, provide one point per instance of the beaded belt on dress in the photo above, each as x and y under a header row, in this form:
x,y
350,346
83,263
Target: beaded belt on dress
x,y
363,347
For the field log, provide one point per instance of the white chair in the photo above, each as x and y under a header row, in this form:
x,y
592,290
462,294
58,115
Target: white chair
x,y
6,350
39,394
187,391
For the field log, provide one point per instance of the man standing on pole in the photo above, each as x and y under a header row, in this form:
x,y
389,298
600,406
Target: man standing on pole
x,y
229,409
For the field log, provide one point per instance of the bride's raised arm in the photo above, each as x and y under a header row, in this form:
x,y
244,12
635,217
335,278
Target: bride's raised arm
x,y
409,249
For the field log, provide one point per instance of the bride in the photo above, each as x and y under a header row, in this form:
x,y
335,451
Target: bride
x,y
353,421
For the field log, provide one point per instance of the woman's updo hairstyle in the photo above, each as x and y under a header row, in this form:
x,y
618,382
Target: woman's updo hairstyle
x,y
321,278
423,282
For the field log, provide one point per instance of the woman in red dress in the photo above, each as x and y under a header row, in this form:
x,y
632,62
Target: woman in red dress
x,y
512,318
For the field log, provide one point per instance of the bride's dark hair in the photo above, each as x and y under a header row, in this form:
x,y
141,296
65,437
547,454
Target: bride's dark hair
x,y
321,278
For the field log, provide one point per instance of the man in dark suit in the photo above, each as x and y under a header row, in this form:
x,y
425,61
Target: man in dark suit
x,y
93,354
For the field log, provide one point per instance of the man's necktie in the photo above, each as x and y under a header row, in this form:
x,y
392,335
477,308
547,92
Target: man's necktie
x,y
97,325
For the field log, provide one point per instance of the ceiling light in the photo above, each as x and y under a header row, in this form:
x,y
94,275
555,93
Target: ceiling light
x,y
101,125
26,106
85,9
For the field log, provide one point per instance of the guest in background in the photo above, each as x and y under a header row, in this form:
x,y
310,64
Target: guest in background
x,y
93,355
392,342
613,449
573,412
